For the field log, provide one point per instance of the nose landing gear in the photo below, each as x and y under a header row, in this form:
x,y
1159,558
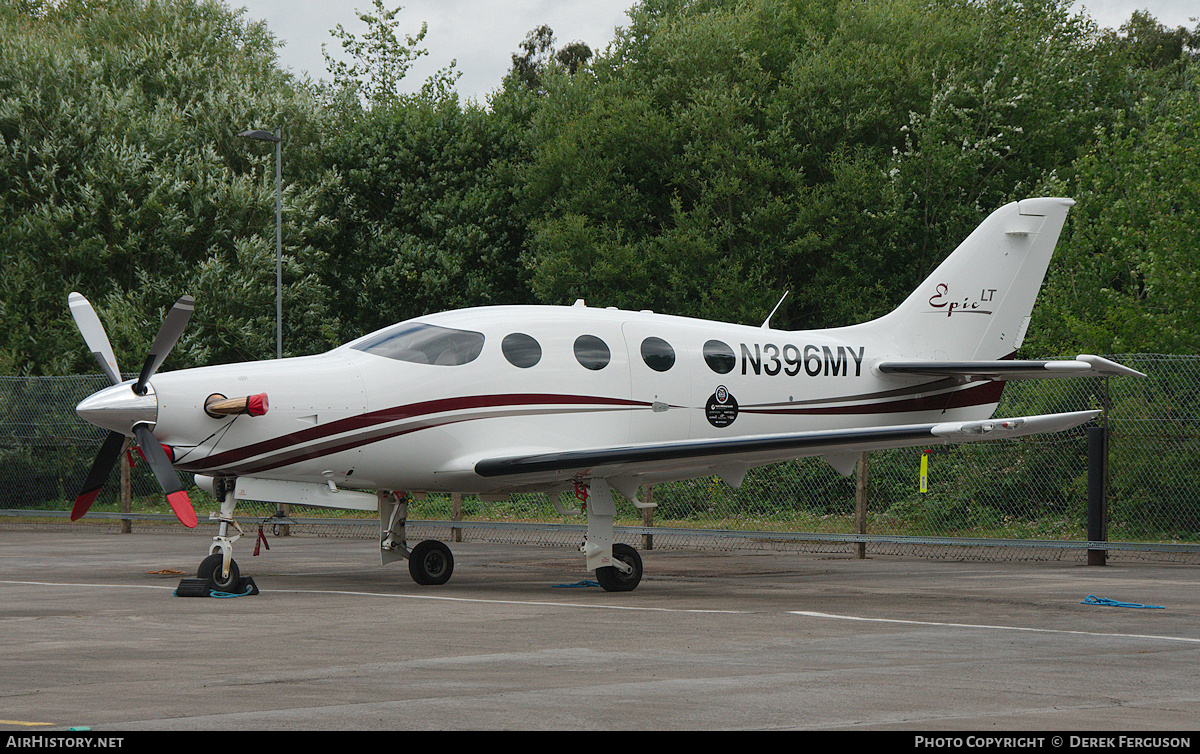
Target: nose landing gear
x,y
219,569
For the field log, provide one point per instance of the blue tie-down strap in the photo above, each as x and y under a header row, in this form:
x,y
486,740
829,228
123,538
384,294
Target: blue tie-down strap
x,y
245,587
1094,600
199,588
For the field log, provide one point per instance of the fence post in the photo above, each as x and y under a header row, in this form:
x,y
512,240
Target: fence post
x,y
126,488
456,515
648,517
860,505
1097,494
1098,479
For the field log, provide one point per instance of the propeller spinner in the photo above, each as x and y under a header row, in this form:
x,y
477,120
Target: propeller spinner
x,y
129,408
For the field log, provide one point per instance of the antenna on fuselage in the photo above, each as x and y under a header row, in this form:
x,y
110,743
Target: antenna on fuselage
x,y
766,325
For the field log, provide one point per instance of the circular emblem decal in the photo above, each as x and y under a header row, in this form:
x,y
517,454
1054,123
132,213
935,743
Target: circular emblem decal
x,y
722,408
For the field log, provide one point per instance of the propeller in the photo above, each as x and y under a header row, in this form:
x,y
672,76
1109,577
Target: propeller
x,y
97,340
160,464
168,333
94,335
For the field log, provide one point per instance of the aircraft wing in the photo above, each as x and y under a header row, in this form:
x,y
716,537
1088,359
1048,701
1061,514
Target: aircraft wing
x,y
732,457
1084,365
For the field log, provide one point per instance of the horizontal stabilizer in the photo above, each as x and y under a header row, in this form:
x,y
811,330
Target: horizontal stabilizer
x,y
1084,365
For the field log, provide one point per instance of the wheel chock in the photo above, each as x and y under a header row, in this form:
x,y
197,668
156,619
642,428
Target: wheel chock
x,y
200,588
192,588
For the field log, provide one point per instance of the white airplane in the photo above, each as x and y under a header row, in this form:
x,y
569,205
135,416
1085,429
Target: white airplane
x,y
497,400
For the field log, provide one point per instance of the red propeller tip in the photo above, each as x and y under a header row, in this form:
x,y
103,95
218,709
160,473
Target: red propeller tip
x,y
83,504
182,505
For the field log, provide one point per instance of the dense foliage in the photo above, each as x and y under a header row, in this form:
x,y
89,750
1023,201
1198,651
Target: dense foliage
x,y
122,177
717,154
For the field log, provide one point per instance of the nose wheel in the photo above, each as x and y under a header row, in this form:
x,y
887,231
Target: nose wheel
x,y
212,569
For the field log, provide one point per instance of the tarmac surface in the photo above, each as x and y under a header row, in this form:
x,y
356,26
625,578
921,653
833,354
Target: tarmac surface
x,y
91,634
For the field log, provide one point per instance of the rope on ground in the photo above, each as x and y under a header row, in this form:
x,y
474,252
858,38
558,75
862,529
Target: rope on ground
x,y
1094,600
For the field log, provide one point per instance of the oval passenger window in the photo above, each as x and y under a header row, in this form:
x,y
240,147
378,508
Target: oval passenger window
x,y
658,354
521,350
592,352
719,357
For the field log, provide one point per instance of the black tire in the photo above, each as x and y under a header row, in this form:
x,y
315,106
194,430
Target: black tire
x,y
430,563
613,580
210,571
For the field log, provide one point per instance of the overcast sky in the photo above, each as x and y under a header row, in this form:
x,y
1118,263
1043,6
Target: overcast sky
x,y
482,35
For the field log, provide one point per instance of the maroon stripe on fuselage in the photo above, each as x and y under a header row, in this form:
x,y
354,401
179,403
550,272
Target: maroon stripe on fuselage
x,y
980,395
397,413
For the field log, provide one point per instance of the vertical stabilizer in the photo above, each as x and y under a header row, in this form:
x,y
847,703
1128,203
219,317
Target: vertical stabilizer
x,y
977,303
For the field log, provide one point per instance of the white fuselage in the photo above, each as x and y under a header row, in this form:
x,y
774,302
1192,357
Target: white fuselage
x,y
405,421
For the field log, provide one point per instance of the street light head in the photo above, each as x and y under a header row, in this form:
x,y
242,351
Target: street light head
x,y
259,135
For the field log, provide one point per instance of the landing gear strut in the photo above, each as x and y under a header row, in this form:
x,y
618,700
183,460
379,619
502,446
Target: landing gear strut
x,y
430,563
618,566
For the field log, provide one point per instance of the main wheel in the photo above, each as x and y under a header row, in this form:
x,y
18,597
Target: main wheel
x,y
210,570
430,563
612,580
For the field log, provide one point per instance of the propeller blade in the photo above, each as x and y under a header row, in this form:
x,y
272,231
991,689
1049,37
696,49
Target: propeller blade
x,y
154,454
172,327
94,335
110,451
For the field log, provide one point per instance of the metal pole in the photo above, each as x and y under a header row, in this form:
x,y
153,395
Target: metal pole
x,y
278,243
1097,531
648,516
860,504
126,489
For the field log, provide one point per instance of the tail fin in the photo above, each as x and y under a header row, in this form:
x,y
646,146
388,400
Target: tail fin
x,y
976,304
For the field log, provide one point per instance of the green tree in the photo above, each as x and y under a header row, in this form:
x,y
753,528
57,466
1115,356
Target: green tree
x,y
122,177
527,69
381,60
1125,274
425,216
719,153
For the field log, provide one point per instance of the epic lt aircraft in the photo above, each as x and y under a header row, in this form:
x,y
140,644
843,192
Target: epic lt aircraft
x,y
497,400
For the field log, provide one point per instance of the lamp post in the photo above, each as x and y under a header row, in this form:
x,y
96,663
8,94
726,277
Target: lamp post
x,y
275,136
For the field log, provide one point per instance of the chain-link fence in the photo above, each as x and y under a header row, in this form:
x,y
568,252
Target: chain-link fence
x,y
1005,493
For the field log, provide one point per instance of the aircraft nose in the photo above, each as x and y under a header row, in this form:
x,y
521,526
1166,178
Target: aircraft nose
x,y
118,408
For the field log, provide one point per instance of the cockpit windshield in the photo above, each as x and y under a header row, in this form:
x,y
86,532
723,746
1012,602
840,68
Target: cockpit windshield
x,y
421,343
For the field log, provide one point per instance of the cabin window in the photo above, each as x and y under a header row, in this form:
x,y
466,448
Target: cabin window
x,y
421,343
521,350
592,352
719,357
658,354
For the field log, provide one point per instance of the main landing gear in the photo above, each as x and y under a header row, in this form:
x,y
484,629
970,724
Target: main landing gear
x,y
430,563
618,566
